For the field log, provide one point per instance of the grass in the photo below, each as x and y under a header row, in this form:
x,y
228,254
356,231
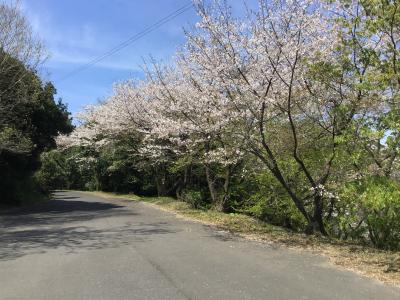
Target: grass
x,y
364,260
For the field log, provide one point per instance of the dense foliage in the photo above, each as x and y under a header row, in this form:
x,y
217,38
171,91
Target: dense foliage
x,y
290,114
30,118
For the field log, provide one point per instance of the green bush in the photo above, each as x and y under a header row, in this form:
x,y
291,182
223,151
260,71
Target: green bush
x,y
369,209
28,192
270,203
194,198
52,173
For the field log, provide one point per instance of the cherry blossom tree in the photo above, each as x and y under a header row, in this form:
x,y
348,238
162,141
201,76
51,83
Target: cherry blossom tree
x,y
262,65
284,84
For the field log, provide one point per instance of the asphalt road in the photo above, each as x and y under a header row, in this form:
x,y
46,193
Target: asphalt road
x,y
85,247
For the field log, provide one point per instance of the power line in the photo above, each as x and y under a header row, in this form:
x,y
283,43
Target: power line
x,y
131,40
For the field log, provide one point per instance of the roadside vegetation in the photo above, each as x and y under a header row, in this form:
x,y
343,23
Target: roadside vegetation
x,y
30,117
288,114
283,122
363,259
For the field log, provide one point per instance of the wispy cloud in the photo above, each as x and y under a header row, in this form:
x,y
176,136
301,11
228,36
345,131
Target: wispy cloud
x,y
77,44
58,59
74,37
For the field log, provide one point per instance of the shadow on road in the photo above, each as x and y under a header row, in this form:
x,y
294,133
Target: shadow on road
x,y
65,197
73,224
61,211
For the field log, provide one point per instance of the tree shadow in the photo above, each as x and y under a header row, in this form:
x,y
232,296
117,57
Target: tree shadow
x,y
65,197
15,244
56,224
60,212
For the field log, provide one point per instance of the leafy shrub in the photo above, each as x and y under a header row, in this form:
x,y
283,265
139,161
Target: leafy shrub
x,y
370,209
28,192
194,198
270,203
52,173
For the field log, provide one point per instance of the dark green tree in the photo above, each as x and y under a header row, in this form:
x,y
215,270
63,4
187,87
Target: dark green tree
x,y
30,119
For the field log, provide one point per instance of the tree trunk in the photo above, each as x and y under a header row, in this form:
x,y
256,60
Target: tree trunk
x,y
223,202
316,223
182,184
219,202
160,183
210,183
161,190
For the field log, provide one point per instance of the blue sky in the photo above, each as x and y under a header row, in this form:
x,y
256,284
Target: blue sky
x,y
77,31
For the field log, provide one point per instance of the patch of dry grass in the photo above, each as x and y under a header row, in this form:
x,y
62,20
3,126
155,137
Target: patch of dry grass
x,y
367,261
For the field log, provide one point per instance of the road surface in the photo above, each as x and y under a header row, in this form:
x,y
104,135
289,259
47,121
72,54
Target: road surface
x,y
79,246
